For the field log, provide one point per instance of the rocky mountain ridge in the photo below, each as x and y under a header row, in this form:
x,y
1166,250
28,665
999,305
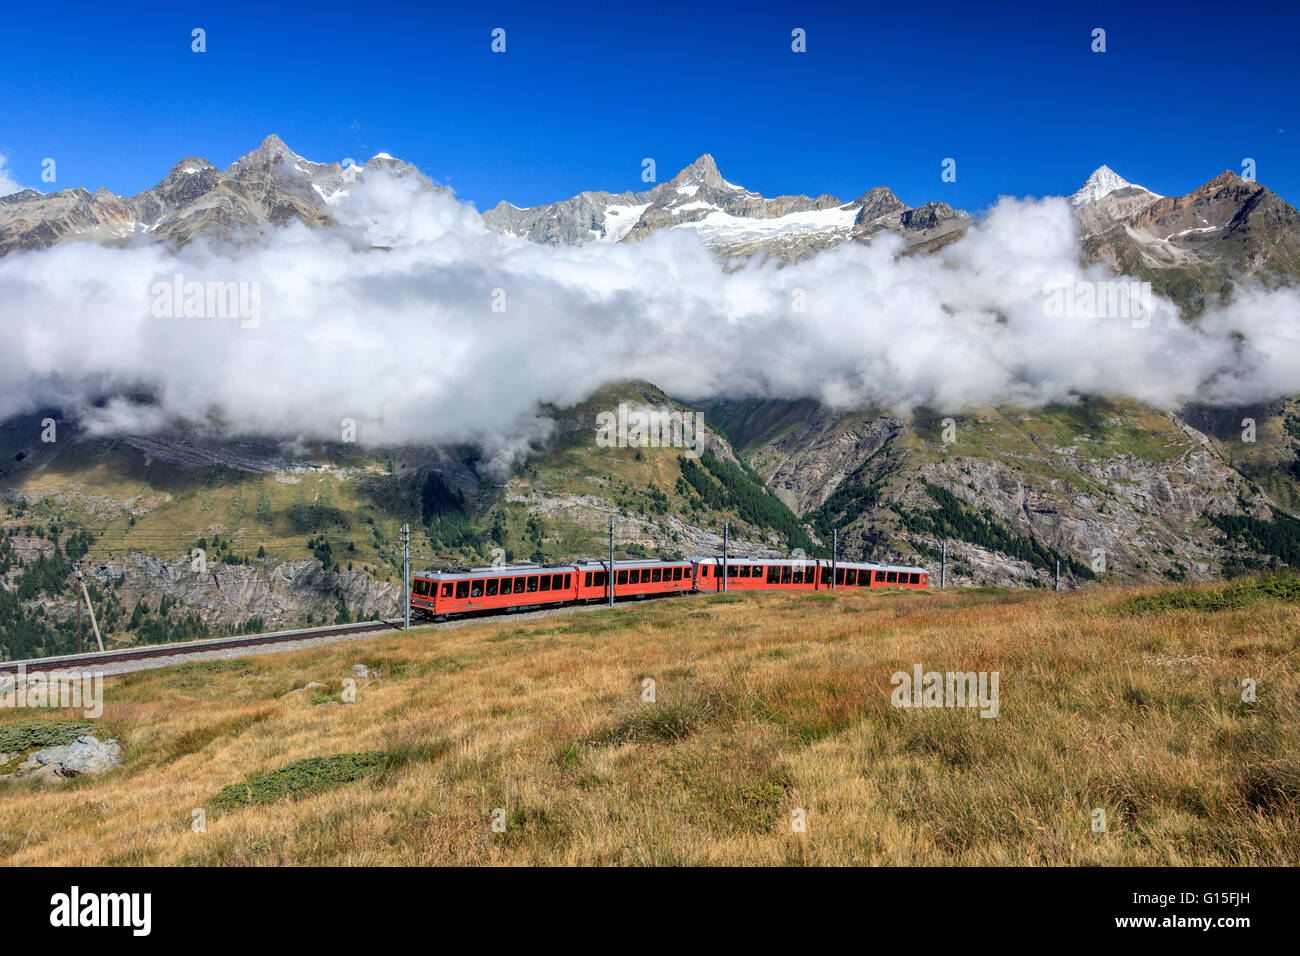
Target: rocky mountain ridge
x,y
1195,248
270,185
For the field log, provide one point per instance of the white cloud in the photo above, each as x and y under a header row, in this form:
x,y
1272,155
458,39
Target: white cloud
x,y
7,183
405,341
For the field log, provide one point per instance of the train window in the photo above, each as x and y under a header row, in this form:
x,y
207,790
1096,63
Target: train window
x,y
421,587
476,589
519,586
773,574
657,575
851,577
746,570
568,582
798,576
586,580
446,589
462,589
786,571
622,577
634,576
557,582
546,582
891,577
839,575
914,578
677,574
491,589
532,583
704,570
599,580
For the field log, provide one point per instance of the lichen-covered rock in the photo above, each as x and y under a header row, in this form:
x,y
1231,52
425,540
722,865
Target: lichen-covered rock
x,y
85,756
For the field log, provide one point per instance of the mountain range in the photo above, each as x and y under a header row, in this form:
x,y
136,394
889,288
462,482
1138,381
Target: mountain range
x,y
1112,489
1192,248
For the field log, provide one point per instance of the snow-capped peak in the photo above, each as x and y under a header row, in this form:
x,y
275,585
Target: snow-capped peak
x,y
1103,182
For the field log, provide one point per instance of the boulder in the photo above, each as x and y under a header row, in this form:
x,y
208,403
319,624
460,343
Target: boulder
x,y
85,756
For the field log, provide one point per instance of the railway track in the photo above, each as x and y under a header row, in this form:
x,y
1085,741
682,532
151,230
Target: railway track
x,y
184,648
91,658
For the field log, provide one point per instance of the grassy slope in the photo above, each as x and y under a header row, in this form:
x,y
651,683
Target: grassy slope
x,y
97,485
765,704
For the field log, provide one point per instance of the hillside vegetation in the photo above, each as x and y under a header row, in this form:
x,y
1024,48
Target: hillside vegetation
x,y
1128,701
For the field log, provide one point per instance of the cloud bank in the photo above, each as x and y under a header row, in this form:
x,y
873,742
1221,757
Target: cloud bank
x,y
422,325
7,183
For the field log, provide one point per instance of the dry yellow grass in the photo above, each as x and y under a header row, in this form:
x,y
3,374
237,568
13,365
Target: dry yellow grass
x,y
766,704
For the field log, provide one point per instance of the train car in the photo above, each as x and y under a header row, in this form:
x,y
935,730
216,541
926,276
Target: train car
x,y
881,576
636,578
459,591
757,574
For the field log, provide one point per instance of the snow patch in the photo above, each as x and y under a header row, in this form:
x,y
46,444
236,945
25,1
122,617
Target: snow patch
x,y
1103,182
619,221
721,227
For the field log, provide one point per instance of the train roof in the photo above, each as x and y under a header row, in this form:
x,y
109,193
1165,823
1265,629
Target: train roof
x,y
501,570
595,563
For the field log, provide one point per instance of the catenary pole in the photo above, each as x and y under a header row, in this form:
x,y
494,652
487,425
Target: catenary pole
x,y
726,527
406,576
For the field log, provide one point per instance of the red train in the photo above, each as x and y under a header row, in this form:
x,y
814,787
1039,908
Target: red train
x,y
462,591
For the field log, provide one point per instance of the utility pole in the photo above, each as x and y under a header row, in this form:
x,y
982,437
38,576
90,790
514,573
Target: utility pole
x,y
726,527
610,575
1058,574
835,548
406,577
943,567
78,626
93,623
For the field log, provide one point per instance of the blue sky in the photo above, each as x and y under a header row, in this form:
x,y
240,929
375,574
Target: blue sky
x,y
583,93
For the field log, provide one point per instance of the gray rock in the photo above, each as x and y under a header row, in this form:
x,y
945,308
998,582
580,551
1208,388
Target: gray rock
x,y
84,756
